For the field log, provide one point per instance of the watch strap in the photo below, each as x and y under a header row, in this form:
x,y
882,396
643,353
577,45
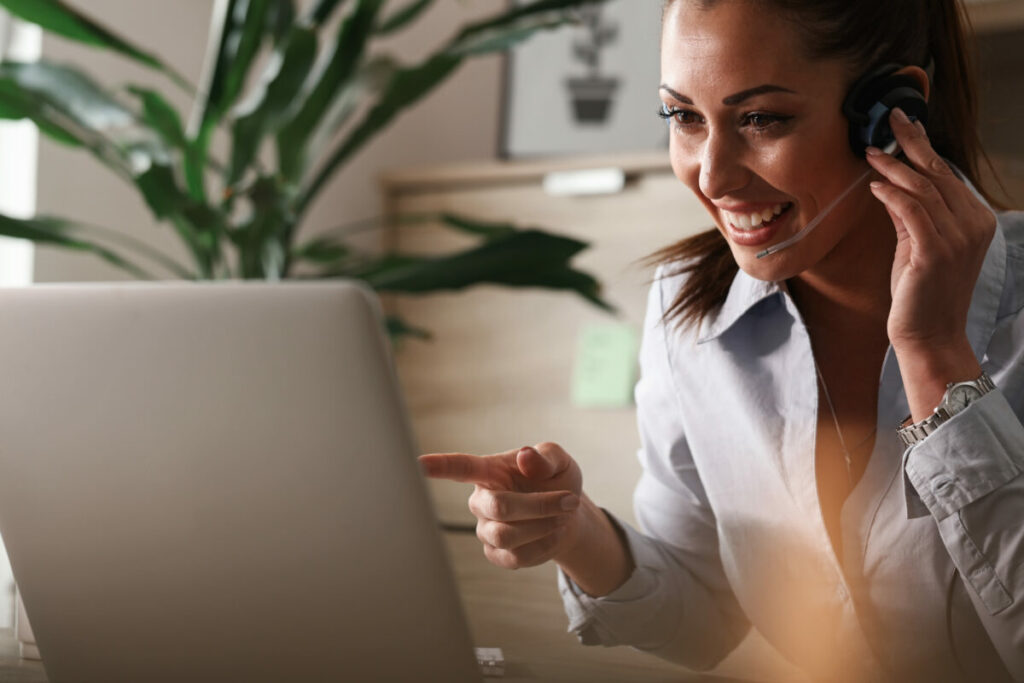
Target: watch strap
x,y
916,432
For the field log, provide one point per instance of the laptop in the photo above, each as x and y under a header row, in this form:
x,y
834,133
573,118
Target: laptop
x,y
217,481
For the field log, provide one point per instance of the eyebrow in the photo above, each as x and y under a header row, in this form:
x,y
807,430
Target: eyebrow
x,y
736,98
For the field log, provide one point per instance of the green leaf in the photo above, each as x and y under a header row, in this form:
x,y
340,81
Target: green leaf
x,y
58,232
60,18
16,104
164,119
407,86
403,16
240,47
527,258
472,226
264,108
161,116
323,250
62,98
338,69
541,13
501,39
373,77
399,328
280,19
242,26
321,11
263,238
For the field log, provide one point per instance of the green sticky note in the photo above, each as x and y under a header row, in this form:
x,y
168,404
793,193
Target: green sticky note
x,y
606,366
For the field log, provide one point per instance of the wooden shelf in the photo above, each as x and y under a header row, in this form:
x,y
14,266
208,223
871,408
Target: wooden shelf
x,y
996,16
474,173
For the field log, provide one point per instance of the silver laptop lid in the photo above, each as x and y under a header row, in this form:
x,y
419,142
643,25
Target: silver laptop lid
x,y
217,482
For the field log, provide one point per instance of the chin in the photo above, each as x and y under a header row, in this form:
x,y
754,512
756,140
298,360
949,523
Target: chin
x,y
781,266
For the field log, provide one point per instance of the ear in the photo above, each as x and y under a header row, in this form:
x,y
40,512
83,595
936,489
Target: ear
x,y
919,75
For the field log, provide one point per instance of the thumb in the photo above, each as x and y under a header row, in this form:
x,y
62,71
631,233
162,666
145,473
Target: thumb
x,y
544,462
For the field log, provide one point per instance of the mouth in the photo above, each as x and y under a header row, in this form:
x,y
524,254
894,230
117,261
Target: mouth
x,y
756,228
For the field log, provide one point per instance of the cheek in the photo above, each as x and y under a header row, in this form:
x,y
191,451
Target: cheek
x,y
684,165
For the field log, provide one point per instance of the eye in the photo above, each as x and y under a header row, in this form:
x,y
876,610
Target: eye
x,y
762,121
682,118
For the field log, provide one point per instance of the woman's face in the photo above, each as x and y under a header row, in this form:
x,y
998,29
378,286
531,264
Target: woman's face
x,y
758,134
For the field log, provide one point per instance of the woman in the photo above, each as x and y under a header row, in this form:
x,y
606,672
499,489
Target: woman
x,y
776,492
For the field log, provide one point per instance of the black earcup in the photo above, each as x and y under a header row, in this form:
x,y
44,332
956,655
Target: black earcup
x,y
870,100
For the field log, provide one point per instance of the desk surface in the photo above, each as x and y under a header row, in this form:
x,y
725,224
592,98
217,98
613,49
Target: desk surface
x,y
521,612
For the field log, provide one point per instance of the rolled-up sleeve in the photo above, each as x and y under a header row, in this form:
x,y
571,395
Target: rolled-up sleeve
x,y
968,476
677,604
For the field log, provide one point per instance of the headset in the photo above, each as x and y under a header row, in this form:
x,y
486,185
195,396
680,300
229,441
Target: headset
x,y
874,96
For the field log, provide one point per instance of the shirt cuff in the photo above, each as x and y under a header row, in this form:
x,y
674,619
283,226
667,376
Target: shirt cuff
x,y
590,617
972,454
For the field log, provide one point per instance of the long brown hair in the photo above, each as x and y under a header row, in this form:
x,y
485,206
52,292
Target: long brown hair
x,y
867,33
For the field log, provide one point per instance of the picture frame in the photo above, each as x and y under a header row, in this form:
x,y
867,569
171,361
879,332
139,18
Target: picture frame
x,y
586,89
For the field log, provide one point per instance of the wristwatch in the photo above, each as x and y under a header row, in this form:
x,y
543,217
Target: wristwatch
x,y
958,396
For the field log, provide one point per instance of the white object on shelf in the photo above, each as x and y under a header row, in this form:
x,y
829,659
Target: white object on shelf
x,y
586,182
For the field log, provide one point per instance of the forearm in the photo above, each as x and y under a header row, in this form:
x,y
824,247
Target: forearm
x,y
599,561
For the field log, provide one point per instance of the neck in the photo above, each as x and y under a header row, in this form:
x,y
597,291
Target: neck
x,y
849,289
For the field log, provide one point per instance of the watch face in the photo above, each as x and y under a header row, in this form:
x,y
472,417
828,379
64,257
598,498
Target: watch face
x,y
960,396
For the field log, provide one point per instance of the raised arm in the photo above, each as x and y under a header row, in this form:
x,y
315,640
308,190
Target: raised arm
x,y
969,473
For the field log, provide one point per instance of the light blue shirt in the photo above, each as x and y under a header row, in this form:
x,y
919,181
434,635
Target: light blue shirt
x,y
930,586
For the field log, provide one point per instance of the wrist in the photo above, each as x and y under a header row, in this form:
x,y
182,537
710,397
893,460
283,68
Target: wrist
x,y
927,370
599,560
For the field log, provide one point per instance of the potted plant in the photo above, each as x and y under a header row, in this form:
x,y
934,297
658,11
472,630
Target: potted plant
x,y
592,94
319,99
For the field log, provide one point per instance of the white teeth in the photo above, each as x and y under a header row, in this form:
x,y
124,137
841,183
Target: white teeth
x,y
749,221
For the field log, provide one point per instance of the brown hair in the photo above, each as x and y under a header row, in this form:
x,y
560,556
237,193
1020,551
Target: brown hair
x,y
867,33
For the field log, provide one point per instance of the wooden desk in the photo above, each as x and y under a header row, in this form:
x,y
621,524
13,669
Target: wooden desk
x,y
521,612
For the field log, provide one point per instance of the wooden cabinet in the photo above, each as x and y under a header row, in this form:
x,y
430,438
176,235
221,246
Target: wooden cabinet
x,y
498,374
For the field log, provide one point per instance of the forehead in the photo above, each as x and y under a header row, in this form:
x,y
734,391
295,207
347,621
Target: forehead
x,y
731,46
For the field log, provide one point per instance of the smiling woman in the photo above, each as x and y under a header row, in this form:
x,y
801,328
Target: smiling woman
x,y
777,491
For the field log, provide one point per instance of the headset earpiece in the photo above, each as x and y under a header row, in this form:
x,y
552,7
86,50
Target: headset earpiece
x,y
870,100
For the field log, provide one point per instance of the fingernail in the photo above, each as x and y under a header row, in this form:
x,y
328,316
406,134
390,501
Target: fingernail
x,y
877,185
570,502
900,115
873,151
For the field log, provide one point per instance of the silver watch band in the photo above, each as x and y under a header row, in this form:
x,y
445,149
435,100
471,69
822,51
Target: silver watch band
x,y
916,432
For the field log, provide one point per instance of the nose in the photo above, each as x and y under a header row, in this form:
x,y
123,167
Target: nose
x,y
722,170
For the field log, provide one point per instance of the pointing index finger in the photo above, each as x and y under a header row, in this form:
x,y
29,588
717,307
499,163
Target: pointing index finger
x,y
489,471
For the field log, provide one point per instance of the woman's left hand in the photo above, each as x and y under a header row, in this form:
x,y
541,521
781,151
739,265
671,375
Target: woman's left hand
x,y
942,235
943,232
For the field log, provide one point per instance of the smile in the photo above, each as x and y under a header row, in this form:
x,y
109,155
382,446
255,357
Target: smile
x,y
757,219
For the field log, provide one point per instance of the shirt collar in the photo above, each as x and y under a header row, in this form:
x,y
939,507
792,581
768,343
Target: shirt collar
x,y
747,291
744,293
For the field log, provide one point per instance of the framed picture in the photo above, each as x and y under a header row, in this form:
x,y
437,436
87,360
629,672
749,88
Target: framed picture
x,y
589,88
